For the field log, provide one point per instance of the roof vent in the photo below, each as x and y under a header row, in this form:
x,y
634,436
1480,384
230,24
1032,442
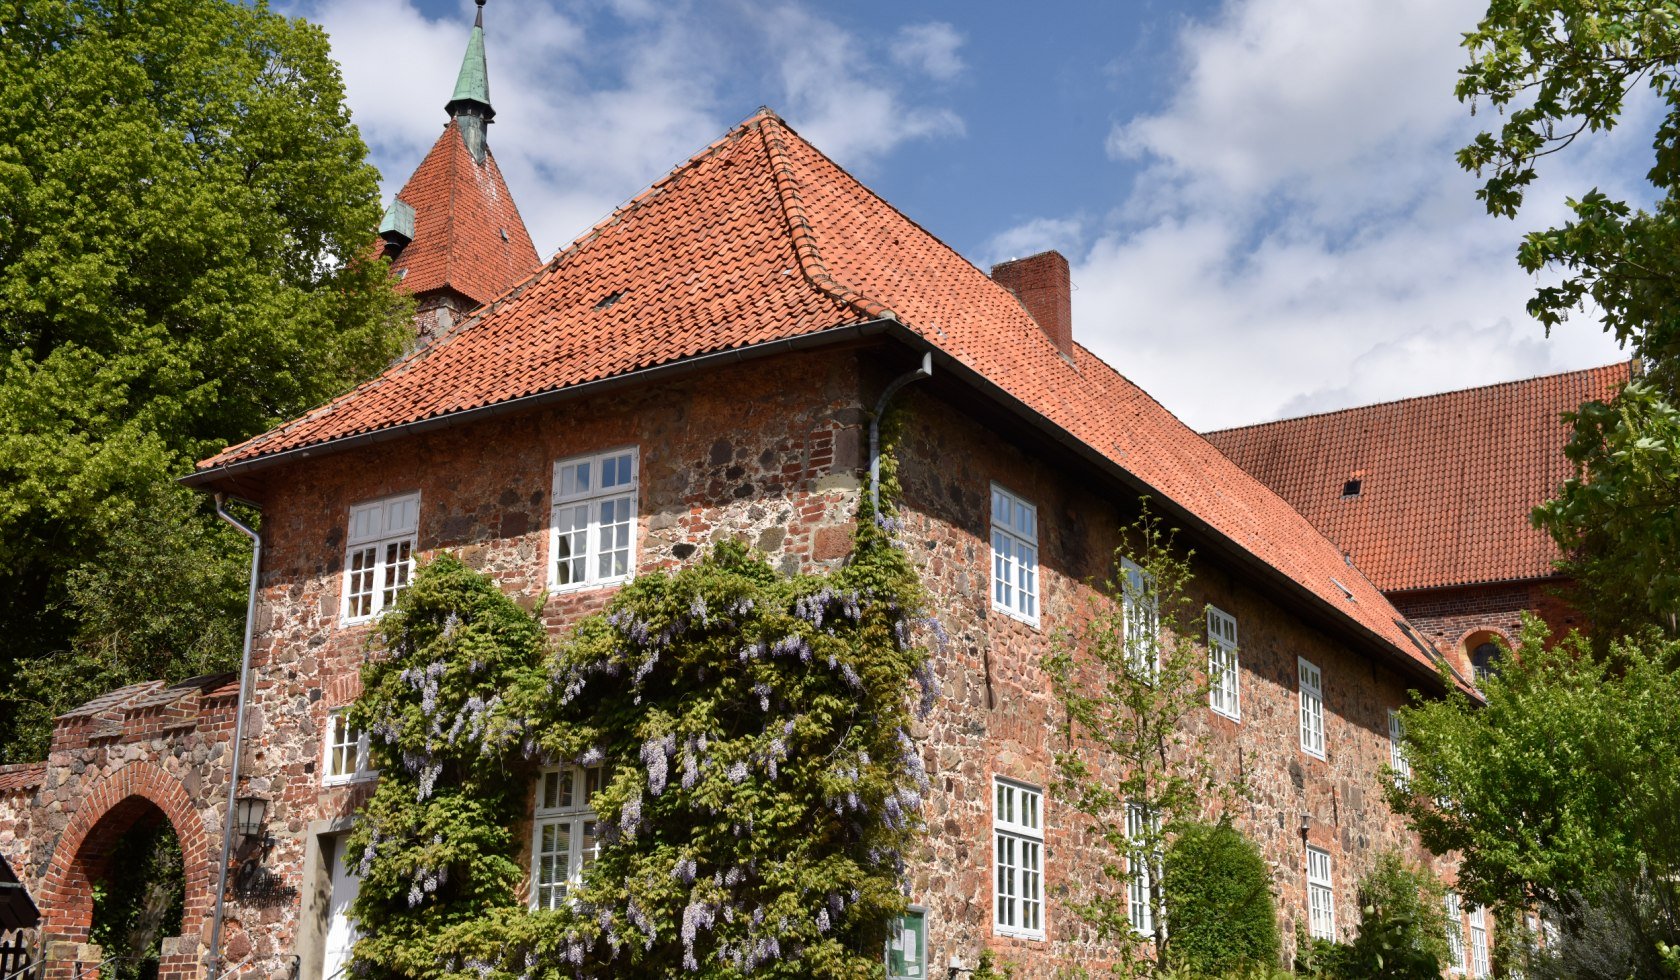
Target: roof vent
x,y
610,299
1043,285
1351,488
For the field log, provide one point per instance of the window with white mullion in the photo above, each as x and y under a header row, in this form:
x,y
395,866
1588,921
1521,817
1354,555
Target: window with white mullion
x,y
1014,556
592,537
1223,671
1312,708
379,557
1479,964
1397,749
1018,836
347,750
564,832
1141,615
1321,895
1142,866
1455,932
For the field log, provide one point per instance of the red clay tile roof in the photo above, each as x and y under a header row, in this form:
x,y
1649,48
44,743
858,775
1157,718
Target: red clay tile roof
x,y
762,238
1446,482
468,235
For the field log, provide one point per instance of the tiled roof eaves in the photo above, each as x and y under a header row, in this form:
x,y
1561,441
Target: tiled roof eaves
x,y
668,370
1555,577
1221,543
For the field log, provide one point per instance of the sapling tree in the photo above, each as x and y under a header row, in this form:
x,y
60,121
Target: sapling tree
x,y
1128,680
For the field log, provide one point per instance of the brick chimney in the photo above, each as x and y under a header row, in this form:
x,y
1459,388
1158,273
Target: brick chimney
x,y
1042,284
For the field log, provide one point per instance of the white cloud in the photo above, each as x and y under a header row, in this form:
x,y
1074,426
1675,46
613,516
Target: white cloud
x,y
929,48
836,99
1032,237
1298,236
594,104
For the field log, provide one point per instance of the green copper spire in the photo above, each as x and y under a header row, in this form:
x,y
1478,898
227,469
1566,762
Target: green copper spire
x,y
470,105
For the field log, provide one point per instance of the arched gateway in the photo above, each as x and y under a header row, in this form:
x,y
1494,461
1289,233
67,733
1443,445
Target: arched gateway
x,y
133,760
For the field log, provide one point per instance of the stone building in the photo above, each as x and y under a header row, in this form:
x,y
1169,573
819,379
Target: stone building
x,y
705,365
1430,497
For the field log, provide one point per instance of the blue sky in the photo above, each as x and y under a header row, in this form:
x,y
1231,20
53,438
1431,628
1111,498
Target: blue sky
x,y
1258,196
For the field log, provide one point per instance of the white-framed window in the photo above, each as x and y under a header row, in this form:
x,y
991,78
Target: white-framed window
x,y
592,527
1397,749
347,750
1479,965
1018,834
1142,867
564,840
1321,895
1223,672
1312,708
1014,556
379,560
907,946
1141,609
1455,932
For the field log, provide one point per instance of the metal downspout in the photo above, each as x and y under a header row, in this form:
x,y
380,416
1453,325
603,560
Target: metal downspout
x,y
925,371
238,737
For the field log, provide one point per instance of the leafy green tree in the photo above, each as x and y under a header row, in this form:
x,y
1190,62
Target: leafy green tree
x,y
1560,789
185,213
1403,924
1555,70
1128,681
1219,891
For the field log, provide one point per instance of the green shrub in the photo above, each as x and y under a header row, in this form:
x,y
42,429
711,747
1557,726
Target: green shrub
x,y
1218,897
1403,932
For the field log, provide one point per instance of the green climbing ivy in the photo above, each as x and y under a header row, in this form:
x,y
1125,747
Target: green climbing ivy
x,y
760,786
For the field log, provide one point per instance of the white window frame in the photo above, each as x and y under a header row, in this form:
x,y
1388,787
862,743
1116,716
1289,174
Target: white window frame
x,y
1397,760
387,529
591,498
337,742
1321,895
1017,859
1142,868
1454,909
573,816
1140,610
1016,582
1224,671
1311,685
1479,963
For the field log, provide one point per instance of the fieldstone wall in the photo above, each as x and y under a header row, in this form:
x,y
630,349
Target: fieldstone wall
x,y
998,716
772,452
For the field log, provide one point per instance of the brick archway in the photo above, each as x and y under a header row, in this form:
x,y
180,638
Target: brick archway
x,y
117,802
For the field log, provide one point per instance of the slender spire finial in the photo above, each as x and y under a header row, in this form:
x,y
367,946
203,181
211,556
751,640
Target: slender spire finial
x,y
470,105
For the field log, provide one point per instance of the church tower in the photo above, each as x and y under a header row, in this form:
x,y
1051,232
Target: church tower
x,y
453,234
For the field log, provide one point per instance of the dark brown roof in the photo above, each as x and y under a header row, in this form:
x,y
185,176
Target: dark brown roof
x,y
1446,482
468,235
761,238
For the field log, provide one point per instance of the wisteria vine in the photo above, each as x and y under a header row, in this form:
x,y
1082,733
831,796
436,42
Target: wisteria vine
x,y
762,789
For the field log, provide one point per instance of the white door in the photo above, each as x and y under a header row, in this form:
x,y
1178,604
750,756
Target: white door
x,y
341,929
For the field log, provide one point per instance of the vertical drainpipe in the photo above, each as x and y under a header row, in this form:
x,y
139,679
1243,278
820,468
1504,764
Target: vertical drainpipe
x,y
925,371
238,737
